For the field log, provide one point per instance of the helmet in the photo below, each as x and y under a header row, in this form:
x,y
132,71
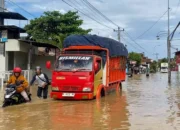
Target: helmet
x,y
38,68
17,70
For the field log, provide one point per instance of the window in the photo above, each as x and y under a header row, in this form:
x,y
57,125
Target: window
x,y
99,65
80,63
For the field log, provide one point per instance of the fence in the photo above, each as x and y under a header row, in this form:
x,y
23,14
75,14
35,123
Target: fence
x,y
4,75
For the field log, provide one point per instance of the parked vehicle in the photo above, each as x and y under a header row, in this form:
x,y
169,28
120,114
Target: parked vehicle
x,y
90,66
11,97
164,67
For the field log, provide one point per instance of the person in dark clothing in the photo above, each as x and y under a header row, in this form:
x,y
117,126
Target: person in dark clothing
x,y
43,82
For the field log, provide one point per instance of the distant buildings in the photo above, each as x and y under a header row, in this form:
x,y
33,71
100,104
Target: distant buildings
x,y
145,62
177,54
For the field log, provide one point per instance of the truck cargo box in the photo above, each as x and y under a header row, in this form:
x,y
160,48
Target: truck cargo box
x,y
115,48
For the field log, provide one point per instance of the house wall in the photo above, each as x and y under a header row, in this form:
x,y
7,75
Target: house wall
x,y
12,45
15,45
2,64
21,60
41,61
178,62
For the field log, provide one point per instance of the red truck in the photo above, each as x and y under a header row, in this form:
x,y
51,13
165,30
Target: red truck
x,y
89,67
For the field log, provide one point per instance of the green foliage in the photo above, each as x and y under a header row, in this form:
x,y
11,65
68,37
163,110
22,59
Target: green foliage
x,y
164,60
153,67
173,64
53,27
135,57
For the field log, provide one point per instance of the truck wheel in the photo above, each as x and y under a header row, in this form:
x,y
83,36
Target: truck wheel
x,y
119,89
100,92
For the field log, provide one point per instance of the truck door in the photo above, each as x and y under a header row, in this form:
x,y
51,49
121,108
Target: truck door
x,y
98,74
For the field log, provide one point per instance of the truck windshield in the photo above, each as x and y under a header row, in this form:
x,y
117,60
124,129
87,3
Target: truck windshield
x,y
163,67
78,63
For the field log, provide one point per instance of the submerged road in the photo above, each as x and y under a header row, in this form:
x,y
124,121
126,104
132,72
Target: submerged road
x,y
144,104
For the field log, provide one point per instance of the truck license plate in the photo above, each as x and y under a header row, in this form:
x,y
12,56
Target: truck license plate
x,y
68,94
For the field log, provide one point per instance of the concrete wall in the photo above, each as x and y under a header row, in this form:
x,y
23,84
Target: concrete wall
x,y
2,63
15,45
21,60
41,61
12,45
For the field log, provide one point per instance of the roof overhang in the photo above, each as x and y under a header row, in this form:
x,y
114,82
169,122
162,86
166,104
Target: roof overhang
x,y
177,53
12,15
12,28
39,44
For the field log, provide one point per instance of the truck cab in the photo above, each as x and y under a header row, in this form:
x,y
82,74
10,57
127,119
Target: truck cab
x,y
164,67
76,76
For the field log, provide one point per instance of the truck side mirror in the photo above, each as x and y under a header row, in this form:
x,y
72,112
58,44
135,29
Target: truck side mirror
x,y
96,67
48,64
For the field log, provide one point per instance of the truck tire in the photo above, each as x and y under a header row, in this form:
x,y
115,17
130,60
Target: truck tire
x,y
119,89
100,92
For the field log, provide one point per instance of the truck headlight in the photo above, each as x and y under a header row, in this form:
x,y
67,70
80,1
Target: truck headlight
x,y
86,89
55,89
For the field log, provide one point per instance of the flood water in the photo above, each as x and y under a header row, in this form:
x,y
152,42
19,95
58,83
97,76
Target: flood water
x,y
144,104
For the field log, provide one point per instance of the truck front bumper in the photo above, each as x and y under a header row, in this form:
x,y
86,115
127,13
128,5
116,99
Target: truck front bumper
x,y
77,96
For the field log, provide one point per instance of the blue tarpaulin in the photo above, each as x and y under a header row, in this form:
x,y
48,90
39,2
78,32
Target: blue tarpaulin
x,y
115,48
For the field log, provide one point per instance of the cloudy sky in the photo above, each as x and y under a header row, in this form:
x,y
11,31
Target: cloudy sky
x,y
135,16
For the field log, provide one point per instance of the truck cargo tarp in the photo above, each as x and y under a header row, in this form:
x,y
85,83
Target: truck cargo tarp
x,y
115,48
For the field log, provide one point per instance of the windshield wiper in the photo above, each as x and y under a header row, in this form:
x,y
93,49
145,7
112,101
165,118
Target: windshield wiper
x,y
81,69
63,69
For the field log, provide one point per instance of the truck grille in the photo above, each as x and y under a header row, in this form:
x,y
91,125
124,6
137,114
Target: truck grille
x,y
70,88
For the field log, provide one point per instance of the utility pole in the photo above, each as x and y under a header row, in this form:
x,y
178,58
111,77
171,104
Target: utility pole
x,y
2,10
157,56
1,5
119,33
169,48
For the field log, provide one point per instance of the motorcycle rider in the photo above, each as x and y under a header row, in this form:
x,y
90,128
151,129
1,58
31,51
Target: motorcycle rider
x,y
43,82
17,77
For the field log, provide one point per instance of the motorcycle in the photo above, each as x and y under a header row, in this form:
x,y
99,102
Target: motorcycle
x,y
11,97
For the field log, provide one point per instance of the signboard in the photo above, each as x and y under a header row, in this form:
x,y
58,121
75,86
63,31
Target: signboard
x,y
3,36
74,58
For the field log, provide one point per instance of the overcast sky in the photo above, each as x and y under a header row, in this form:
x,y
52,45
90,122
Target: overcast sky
x,y
135,16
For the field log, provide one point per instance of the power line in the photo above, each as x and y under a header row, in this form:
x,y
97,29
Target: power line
x,y
4,9
21,8
128,35
95,14
91,6
151,26
87,15
74,2
177,7
130,44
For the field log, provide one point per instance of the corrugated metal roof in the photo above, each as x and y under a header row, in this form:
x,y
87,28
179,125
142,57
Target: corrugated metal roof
x,y
39,44
12,15
12,28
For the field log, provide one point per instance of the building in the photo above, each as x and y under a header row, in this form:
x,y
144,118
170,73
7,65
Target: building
x,y
19,52
177,59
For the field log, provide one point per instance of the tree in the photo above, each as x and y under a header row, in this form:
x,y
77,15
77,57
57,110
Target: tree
x,y
53,27
153,67
135,57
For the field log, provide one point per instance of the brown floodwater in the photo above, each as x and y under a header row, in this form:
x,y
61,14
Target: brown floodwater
x,y
144,104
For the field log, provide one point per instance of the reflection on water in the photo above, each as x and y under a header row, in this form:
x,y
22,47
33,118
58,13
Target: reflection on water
x,y
144,104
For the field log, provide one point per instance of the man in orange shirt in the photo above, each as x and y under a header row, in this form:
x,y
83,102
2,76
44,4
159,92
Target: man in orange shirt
x,y
18,77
